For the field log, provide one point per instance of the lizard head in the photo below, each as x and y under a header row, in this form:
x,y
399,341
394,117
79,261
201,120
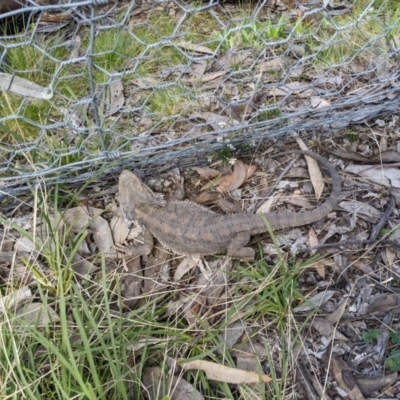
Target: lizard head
x,y
133,193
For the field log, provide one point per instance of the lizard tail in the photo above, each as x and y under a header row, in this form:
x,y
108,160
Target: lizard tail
x,y
290,219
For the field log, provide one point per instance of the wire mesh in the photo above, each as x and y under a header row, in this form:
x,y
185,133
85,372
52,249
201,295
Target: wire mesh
x,y
96,84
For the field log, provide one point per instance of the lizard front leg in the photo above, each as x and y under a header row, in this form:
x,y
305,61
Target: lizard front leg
x,y
236,247
143,247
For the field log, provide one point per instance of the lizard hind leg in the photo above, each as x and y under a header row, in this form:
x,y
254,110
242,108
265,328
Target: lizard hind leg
x,y
236,247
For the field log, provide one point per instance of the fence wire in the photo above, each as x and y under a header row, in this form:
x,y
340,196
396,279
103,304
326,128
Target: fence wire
x,y
96,84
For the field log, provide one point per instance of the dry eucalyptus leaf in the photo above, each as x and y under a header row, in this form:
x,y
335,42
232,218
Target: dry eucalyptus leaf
x,y
300,201
206,197
384,303
326,328
24,87
145,83
316,177
230,59
80,217
318,102
266,206
116,96
25,245
37,314
313,241
315,301
143,342
241,173
198,68
337,315
232,333
388,177
193,306
208,173
363,210
160,385
221,373
119,229
82,267
132,282
185,266
212,285
343,375
195,47
14,299
299,89
205,78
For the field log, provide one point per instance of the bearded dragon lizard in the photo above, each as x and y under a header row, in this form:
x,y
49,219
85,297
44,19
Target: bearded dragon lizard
x,y
191,229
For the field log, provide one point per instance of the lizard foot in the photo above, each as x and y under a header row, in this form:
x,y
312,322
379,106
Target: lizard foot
x,y
133,250
245,254
142,247
237,250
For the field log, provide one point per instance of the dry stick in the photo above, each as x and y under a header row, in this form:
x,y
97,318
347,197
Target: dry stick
x,y
385,217
349,243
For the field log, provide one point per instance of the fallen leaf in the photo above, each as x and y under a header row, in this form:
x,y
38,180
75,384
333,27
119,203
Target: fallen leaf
x,y
132,279
316,177
213,286
337,315
363,210
230,59
12,301
80,217
313,241
343,375
115,96
205,78
156,264
208,173
326,328
299,89
315,301
384,303
232,333
221,373
37,314
206,197
198,68
318,102
195,47
144,341
274,64
241,172
24,87
299,201
119,228
387,177
266,206
185,266
161,385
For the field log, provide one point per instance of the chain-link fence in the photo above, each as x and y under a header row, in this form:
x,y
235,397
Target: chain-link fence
x,y
164,82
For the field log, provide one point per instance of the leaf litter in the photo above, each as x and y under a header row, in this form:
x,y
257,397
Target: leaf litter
x,y
206,296
204,287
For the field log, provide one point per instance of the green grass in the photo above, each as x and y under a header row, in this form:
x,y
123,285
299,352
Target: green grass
x,y
171,101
